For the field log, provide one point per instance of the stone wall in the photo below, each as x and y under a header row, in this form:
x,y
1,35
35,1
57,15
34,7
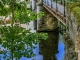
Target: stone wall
x,y
70,53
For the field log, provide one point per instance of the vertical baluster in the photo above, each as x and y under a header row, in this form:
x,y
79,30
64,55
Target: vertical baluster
x,y
51,3
42,1
64,8
56,5
47,3
33,5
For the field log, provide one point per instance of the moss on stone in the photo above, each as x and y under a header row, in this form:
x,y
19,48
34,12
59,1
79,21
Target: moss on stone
x,y
40,3
75,9
70,53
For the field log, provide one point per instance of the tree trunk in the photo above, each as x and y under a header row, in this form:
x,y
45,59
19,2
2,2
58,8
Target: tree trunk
x,y
12,26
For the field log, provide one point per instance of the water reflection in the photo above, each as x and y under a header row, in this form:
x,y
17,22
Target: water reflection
x,y
49,48
61,46
37,57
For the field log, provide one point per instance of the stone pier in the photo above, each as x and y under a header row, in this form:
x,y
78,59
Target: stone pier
x,y
48,22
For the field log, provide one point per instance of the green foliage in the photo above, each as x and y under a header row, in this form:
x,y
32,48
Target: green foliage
x,y
16,40
23,40
75,4
75,9
72,1
5,7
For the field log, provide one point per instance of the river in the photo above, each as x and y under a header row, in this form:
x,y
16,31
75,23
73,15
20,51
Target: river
x,y
50,49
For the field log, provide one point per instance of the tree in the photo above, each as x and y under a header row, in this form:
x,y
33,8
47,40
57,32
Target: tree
x,y
14,38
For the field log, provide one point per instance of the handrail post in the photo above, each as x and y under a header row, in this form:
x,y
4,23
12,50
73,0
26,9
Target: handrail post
x,y
33,9
56,6
39,8
64,8
51,3
47,3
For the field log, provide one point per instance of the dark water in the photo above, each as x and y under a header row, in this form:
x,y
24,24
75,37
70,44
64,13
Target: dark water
x,y
50,49
53,47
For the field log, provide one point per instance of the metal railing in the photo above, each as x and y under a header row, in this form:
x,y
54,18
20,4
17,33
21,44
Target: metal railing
x,y
55,5
59,9
56,14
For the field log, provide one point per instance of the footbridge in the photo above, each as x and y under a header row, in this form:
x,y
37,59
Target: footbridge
x,y
57,10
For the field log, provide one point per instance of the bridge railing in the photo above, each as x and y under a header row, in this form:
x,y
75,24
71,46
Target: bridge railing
x,y
55,5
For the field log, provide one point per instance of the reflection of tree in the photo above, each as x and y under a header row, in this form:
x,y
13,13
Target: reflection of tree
x,y
49,47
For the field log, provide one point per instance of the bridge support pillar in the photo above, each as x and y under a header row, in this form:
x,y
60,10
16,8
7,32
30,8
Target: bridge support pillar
x,y
33,5
48,22
39,8
33,9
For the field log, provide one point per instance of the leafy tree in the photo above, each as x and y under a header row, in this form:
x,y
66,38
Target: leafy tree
x,y
16,40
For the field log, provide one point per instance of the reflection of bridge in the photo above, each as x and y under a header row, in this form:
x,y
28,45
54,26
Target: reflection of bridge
x,y
63,16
